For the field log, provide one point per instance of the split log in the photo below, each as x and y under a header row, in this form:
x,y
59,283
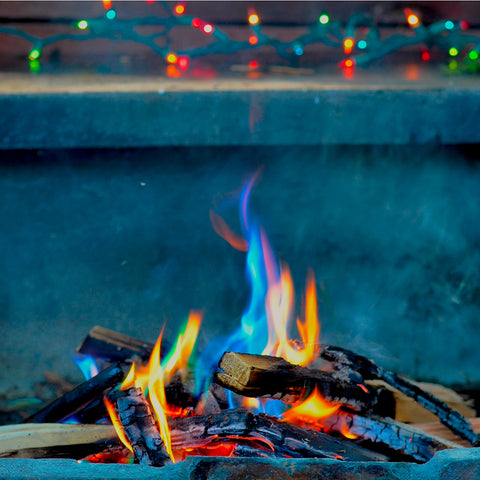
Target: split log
x,y
113,346
265,376
17,438
136,418
346,360
398,436
284,438
439,430
79,397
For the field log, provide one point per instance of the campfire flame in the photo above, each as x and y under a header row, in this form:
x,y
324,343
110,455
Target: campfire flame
x,y
265,328
153,378
311,410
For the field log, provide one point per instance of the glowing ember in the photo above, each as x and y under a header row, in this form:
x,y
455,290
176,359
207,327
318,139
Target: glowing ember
x,y
313,409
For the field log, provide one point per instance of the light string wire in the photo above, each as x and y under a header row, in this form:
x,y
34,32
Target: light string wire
x,y
449,36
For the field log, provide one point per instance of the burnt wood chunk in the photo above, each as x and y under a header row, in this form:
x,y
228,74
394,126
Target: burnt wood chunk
x,y
266,376
139,426
113,346
345,360
288,440
396,435
79,397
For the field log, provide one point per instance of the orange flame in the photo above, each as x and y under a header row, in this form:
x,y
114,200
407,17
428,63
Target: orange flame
x,y
155,375
313,409
279,306
116,424
347,433
224,231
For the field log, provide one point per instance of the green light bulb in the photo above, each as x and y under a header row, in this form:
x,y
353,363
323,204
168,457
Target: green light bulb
x,y
82,24
473,55
453,52
34,54
324,19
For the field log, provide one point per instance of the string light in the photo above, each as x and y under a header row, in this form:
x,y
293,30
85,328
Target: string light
x,y
412,19
348,45
183,63
324,19
253,19
446,35
208,28
34,54
362,44
180,9
172,58
473,55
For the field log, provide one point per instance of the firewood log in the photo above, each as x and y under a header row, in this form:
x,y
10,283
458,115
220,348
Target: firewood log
x,y
345,361
113,346
136,418
15,438
79,397
266,376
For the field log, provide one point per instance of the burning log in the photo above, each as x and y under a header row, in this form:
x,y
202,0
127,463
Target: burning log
x,y
113,346
79,397
136,418
397,436
285,439
265,376
345,360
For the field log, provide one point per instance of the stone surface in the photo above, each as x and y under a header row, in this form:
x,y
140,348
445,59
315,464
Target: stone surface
x,y
446,465
376,109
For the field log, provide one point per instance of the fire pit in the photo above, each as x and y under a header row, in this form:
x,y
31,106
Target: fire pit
x,y
280,405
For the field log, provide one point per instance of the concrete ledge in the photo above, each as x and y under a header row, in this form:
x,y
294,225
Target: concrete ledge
x,y
98,113
447,465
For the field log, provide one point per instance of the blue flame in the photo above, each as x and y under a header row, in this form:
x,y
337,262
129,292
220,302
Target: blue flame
x,y
252,334
87,365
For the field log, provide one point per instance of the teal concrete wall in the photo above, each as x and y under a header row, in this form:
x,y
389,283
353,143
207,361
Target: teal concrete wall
x,y
122,238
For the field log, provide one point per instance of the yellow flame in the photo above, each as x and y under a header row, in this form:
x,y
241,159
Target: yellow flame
x,y
279,307
116,423
154,376
314,408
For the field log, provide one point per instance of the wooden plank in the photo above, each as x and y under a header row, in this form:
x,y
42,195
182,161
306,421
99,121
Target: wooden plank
x,y
34,435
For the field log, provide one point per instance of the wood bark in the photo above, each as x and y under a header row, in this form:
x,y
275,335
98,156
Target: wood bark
x,y
113,346
139,426
397,436
347,361
265,376
79,397
285,439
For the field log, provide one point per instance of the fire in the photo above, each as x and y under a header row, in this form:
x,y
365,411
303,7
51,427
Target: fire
x,y
116,424
279,306
156,375
310,411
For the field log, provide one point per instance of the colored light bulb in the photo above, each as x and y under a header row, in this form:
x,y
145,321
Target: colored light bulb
x,y
253,19
82,24
324,19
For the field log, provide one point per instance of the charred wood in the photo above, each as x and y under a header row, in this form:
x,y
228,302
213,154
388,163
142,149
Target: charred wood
x,y
79,397
345,360
396,435
137,421
286,439
265,376
113,346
